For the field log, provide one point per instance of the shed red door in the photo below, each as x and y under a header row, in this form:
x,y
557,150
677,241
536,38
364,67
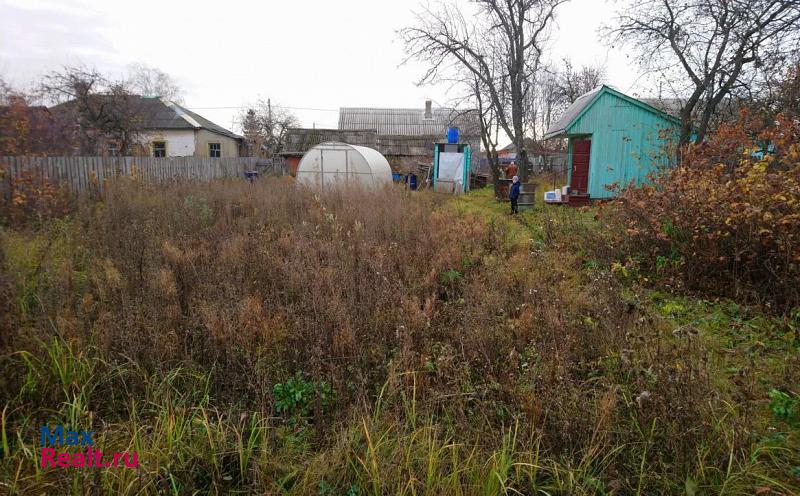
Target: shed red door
x,y
579,182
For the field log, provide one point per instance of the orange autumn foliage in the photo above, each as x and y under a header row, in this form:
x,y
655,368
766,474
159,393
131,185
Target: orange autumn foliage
x,y
727,221
30,198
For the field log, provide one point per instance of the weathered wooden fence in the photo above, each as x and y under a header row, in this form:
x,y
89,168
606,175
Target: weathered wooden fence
x,y
79,173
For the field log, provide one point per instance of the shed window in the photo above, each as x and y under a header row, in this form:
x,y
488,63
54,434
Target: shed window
x,y
214,150
159,148
113,149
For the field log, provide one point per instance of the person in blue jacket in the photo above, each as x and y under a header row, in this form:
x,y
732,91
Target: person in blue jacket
x,y
513,194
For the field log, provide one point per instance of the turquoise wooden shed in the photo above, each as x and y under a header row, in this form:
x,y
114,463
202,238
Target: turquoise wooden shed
x,y
614,139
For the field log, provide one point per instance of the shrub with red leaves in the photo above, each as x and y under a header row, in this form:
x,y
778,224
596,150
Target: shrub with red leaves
x,y
727,221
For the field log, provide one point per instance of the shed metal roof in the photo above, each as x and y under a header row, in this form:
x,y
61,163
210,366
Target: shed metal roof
x,y
583,102
562,123
410,121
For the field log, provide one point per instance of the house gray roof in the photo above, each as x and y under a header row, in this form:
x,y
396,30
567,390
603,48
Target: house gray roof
x,y
410,121
160,113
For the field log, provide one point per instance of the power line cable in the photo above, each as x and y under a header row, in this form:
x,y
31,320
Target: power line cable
x,y
248,106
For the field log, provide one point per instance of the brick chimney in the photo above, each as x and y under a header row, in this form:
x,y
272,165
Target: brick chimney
x,y
428,110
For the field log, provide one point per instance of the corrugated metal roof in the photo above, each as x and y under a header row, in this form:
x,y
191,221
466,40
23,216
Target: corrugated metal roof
x,y
671,106
573,111
299,140
410,121
561,124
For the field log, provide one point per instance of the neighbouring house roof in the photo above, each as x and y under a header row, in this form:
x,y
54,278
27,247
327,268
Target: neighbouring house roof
x,y
586,100
671,106
511,147
410,146
531,145
37,115
159,113
299,140
30,110
410,121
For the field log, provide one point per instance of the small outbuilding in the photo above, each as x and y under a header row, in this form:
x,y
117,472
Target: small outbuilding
x,y
333,164
614,139
299,140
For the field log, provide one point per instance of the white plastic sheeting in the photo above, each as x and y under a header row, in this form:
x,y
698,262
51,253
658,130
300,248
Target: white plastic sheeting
x,y
332,164
451,172
451,166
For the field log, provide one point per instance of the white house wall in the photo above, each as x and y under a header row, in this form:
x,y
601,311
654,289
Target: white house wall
x,y
180,142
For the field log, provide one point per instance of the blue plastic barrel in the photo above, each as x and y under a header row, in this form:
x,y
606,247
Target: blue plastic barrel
x,y
452,135
396,176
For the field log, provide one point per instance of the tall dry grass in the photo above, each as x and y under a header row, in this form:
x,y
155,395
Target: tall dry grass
x,y
264,338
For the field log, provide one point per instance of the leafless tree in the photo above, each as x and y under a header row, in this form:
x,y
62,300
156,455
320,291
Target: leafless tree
x,y
505,34
264,126
780,95
151,81
100,110
715,46
554,89
489,126
571,83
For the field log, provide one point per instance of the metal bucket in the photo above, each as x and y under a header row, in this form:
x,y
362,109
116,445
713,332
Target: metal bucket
x,y
527,193
527,196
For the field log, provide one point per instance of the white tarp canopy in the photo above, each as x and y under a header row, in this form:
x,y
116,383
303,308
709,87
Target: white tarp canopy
x,y
332,164
451,166
451,169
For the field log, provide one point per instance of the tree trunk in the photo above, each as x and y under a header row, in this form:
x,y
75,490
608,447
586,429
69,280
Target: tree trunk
x,y
715,100
522,163
491,154
686,134
686,119
494,165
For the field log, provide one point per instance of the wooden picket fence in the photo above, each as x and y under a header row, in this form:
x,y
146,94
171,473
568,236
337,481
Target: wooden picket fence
x,y
79,174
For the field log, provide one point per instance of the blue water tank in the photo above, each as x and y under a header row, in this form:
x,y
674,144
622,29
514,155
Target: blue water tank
x,y
452,135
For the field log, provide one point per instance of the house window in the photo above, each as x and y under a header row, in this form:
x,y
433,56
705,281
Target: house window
x,y
159,148
214,150
113,149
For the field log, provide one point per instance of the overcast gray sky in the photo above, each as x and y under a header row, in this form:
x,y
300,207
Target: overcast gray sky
x,y
311,54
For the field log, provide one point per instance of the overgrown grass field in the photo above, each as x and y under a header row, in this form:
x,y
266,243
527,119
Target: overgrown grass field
x,y
265,339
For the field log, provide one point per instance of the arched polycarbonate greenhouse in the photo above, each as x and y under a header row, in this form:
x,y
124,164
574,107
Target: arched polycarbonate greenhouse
x,y
333,164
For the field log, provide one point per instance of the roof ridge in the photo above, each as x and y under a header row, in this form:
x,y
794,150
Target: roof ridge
x,y
415,109
181,112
